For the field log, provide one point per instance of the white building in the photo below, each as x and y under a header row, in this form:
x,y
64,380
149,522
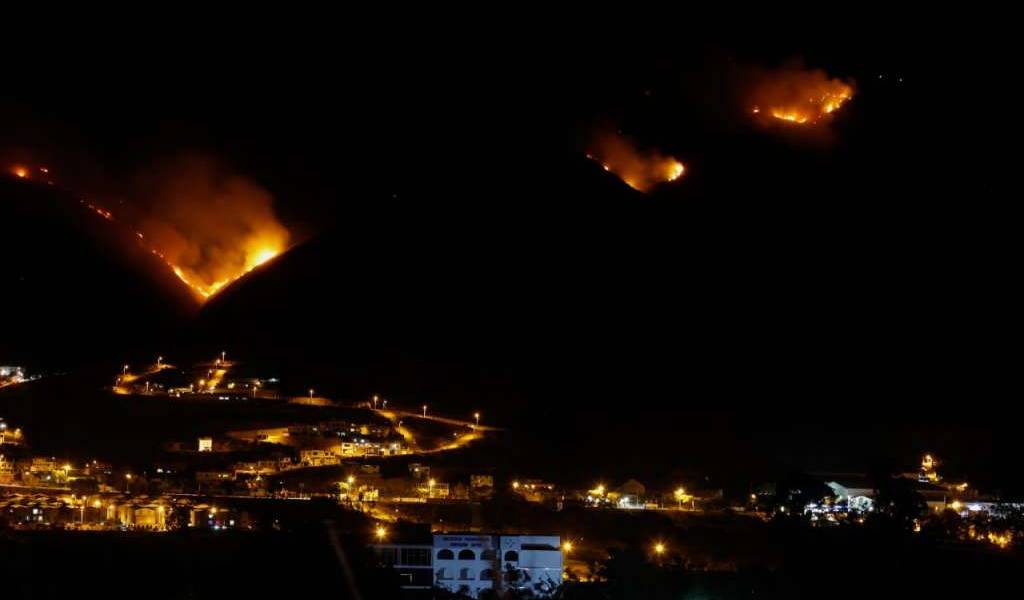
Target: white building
x,y
469,563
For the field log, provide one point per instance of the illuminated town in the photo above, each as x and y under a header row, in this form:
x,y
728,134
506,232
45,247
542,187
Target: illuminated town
x,y
425,516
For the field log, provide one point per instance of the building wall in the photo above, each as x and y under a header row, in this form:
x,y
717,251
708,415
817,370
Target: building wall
x,y
412,562
471,563
472,566
539,561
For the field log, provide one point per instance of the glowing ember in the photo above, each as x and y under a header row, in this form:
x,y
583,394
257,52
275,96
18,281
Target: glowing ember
x,y
799,96
640,170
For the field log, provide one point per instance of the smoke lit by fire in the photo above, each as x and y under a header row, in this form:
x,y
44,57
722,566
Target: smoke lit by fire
x,y
211,226
640,170
798,96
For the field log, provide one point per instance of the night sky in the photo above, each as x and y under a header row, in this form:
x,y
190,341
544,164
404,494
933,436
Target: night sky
x,y
815,301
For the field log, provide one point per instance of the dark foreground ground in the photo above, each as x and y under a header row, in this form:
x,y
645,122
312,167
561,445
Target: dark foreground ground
x,y
799,562
186,565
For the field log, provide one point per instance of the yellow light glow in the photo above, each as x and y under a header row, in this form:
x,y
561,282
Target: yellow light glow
x,y
567,547
659,548
381,532
263,256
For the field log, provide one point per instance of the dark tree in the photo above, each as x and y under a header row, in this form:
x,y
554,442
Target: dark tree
x,y
897,502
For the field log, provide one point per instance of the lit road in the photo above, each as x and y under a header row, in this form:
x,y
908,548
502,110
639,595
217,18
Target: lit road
x,y
129,377
397,416
393,414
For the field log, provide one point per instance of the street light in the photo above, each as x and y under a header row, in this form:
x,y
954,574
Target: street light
x,y
680,494
125,371
223,356
659,548
567,547
375,402
159,360
476,416
127,480
381,532
310,393
430,488
424,411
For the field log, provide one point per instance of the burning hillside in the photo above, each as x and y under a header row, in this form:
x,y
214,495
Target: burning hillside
x,y
640,170
210,225
798,96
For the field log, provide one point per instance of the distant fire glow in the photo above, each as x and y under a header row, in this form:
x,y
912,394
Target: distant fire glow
x,y
640,170
798,96
19,172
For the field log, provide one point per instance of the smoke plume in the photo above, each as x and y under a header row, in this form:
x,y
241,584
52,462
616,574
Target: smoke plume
x,y
211,225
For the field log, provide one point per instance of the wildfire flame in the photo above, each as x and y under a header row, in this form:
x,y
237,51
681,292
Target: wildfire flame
x,y
211,226
638,169
208,228
799,96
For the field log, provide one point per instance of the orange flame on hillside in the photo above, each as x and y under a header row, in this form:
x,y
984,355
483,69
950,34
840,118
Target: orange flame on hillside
x,y
799,96
638,169
211,226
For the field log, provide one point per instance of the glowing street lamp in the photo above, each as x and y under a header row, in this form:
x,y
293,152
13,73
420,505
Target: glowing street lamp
x,y
476,416
659,548
567,547
381,533
424,411
310,393
125,370
430,488
127,480
375,402
159,361
680,495
223,356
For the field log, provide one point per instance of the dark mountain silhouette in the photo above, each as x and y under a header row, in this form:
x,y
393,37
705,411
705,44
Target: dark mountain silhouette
x,y
78,289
